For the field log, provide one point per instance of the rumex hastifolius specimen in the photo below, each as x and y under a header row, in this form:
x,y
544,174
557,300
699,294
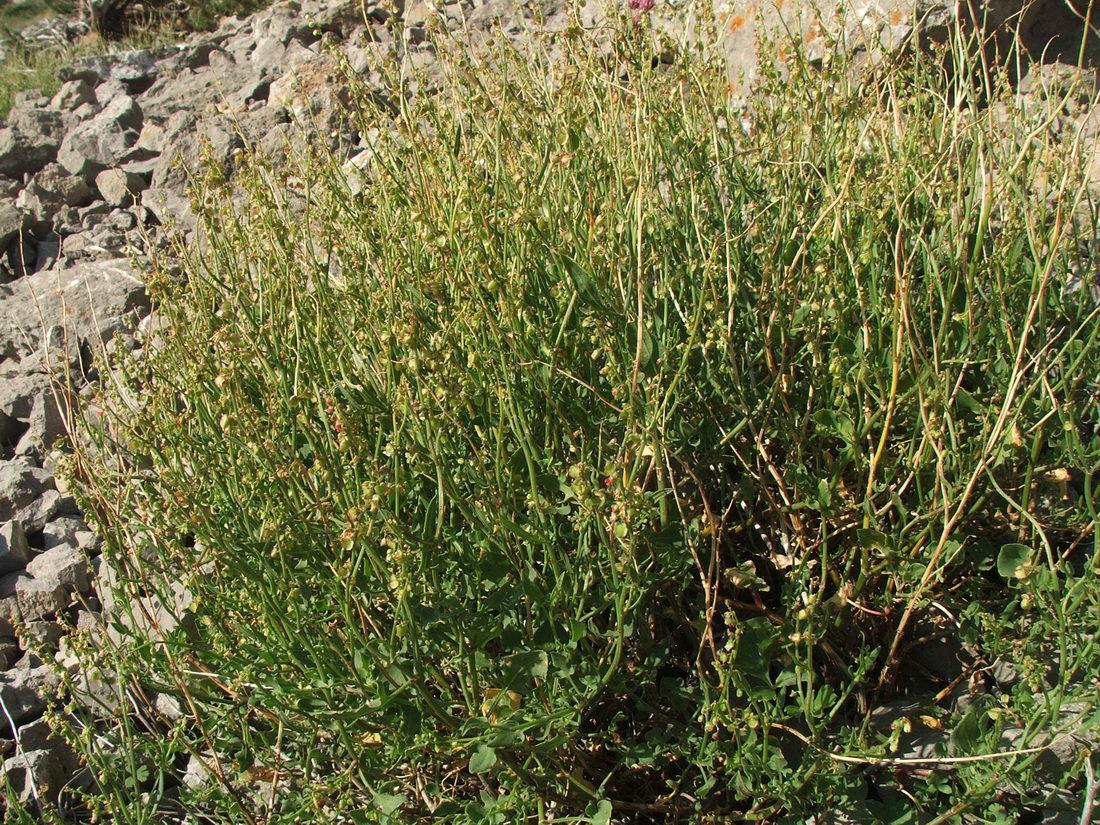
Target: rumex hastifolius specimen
x,y
611,454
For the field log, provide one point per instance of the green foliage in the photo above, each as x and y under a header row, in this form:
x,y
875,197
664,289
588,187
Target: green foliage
x,y
599,459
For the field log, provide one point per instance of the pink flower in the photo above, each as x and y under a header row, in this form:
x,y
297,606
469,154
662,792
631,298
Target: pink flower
x,y
641,5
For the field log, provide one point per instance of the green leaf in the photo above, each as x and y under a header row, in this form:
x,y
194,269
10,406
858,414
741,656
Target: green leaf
x,y
1013,561
483,759
602,816
964,738
388,803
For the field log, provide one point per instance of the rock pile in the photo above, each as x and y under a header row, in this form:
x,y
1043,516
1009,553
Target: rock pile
x,y
92,180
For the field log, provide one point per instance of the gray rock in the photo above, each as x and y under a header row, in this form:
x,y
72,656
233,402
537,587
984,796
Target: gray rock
x,y
196,775
49,191
1004,673
14,552
83,305
20,484
10,430
169,707
64,565
1061,751
24,691
96,691
190,142
118,187
268,54
11,223
41,637
315,92
45,423
47,251
67,530
356,171
18,391
130,71
197,92
27,599
73,94
35,735
29,141
169,207
38,774
9,650
44,509
104,141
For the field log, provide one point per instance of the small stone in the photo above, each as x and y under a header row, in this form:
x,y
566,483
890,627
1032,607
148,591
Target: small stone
x,y
196,775
14,552
168,707
1004,673
118,187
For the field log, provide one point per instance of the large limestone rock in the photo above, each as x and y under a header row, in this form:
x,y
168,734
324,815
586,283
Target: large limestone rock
x,y
29,141
82,306
103,141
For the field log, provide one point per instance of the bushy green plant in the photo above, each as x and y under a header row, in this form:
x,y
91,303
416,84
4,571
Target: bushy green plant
x,y
601,457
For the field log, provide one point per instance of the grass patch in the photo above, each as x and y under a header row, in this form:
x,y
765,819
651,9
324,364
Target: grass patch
x,y
15,15
609,455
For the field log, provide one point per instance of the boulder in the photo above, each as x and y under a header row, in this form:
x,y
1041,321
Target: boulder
x,y
104,141
80,306
44,509
314,93
41,637
26,598
36,774
131,72
24,689
67,530
29,141
199,91
44,424
189,143
63,565
18,391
